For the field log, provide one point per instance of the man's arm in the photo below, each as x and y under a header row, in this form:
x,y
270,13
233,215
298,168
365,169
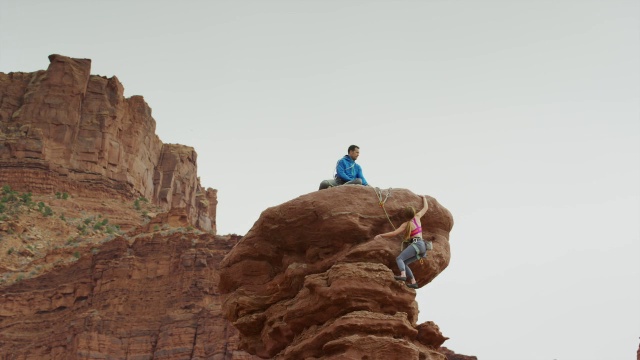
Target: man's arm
x,y
359,174
341,170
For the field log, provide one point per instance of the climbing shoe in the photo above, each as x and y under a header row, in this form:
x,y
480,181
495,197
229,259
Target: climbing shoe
x,y
413,286
400,278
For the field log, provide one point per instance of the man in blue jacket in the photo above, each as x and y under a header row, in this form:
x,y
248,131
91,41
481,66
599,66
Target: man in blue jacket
x,y
347,171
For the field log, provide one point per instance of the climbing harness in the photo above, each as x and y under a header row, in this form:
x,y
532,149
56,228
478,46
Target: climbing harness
x,y
418,257
417,251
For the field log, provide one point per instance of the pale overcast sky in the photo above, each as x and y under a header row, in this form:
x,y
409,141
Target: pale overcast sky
x,y
521,117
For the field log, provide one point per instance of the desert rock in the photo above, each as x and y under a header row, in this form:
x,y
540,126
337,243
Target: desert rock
x,y
310,281
153,296
64,129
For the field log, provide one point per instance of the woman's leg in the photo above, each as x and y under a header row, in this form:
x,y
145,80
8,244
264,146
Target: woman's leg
x,y
410,277
422,248
406,257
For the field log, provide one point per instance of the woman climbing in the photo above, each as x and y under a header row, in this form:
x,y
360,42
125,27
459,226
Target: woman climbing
x,y
412,229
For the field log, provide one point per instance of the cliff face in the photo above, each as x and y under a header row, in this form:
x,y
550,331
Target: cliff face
x,y
66,130
310,281
146,295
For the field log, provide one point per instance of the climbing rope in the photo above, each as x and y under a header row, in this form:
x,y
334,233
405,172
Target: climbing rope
x,y
381,202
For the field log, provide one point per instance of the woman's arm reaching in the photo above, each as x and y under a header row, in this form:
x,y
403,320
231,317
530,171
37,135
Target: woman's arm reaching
x,y
395,232
425,207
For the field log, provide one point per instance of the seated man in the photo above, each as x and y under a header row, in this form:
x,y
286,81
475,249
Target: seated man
x,y
347,171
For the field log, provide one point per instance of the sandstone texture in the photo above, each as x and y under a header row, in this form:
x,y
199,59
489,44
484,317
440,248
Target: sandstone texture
x,y
309,281
451,355
28,236
65,130
147,295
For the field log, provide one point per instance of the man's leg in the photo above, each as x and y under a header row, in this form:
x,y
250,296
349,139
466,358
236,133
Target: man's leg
x,y
355,181
325,184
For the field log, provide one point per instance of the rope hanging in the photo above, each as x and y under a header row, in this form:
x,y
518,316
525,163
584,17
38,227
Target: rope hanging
x,y
381,203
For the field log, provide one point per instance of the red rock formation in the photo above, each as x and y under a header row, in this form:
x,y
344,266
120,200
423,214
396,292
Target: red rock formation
x,y
310,281
152,296
453,356
66,130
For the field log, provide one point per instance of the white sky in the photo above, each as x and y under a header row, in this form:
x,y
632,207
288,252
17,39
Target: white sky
x,y
521,117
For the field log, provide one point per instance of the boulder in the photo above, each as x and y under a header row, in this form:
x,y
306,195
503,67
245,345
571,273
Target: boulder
x,y
310,281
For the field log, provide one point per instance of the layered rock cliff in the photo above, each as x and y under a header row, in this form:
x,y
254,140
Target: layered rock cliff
x,y
147,295
310,281
66,130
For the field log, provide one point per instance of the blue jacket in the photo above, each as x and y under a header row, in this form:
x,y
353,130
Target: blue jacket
x,y
348,170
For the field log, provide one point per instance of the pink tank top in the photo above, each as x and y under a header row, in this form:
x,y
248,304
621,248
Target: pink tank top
x,y
417,230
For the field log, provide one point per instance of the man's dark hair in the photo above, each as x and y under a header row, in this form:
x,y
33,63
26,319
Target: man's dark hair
x,y
352,147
